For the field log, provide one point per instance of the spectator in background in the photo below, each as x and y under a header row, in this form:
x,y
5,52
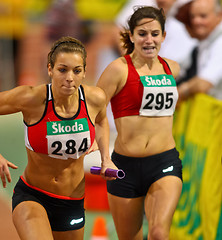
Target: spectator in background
x,y
178,43
204,74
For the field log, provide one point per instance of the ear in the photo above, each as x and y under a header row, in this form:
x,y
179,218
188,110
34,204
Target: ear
x,y
85,72
131,37
49,70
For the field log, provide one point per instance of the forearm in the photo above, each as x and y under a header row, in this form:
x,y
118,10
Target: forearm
x,y
102,138
192,87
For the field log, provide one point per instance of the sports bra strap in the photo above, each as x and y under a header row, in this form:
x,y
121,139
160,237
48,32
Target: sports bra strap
x,y
165,66
49,92
81,94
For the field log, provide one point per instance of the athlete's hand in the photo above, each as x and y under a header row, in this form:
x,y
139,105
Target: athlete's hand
x,y
93,148
4,170
107,164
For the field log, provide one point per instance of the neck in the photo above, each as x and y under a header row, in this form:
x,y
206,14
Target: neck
x,y
140,61
66,102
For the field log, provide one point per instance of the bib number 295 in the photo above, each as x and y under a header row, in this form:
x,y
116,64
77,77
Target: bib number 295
x,y
159,101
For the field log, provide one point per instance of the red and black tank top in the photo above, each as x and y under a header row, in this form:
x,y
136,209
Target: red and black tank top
x,y
60,137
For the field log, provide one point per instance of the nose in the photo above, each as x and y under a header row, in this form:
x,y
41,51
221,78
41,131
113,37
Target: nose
x,y
195,20
149,38
70,76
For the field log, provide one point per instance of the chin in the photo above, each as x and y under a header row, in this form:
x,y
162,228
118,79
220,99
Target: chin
x,y
201,36
149,56
68,91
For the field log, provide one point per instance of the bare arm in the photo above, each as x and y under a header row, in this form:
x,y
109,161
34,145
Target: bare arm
x,y
193,86
102,137
19,99
98,100
113,78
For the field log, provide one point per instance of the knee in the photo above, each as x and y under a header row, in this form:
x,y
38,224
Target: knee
x,y
158,232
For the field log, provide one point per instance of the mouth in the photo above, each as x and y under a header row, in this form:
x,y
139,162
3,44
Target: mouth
x,y
149,49
68,87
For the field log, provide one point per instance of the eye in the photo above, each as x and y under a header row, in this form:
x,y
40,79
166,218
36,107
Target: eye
x,y
142,33
155,34
77,71
62,70
203,16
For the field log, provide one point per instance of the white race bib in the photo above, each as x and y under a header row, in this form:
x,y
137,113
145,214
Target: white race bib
x,y
159,95
68,139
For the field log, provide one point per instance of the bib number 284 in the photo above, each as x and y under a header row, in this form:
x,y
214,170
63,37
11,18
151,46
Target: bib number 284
x,y
70,147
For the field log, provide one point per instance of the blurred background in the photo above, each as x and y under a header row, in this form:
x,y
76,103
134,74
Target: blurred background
x,y
27,30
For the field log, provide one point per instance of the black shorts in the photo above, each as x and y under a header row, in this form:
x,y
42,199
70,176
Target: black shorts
x,y
142,172
64,213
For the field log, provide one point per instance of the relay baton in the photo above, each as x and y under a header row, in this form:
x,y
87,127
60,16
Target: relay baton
x,y
109,172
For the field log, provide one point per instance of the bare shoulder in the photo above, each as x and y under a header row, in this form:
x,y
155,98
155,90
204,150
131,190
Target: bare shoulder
x,y
24,99
95,96
114,77
174,66
31,96
114,71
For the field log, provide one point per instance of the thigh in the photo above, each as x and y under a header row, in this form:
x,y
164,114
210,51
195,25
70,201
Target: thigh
x,y
69,235
31,221
128,216
161,201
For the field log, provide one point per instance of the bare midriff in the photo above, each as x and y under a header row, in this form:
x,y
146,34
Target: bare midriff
x,y
60,177
140,136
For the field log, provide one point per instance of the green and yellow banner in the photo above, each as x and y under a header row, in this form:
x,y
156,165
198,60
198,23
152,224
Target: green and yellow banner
x,y
198,134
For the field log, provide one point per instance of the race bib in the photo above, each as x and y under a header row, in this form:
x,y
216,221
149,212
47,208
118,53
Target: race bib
x,y
159,95
68,139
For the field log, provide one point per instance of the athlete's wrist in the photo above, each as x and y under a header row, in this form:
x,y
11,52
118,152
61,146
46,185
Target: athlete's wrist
x,y
185,90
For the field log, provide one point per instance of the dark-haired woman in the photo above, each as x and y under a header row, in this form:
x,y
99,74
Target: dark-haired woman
x,y
59,120
143,94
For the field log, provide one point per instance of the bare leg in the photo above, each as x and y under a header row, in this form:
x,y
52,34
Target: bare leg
x,y
69,235
160,205
128,216
31,221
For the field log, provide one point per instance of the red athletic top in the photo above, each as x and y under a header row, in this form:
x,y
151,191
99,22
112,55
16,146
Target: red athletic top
x,y
60,137
128,101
